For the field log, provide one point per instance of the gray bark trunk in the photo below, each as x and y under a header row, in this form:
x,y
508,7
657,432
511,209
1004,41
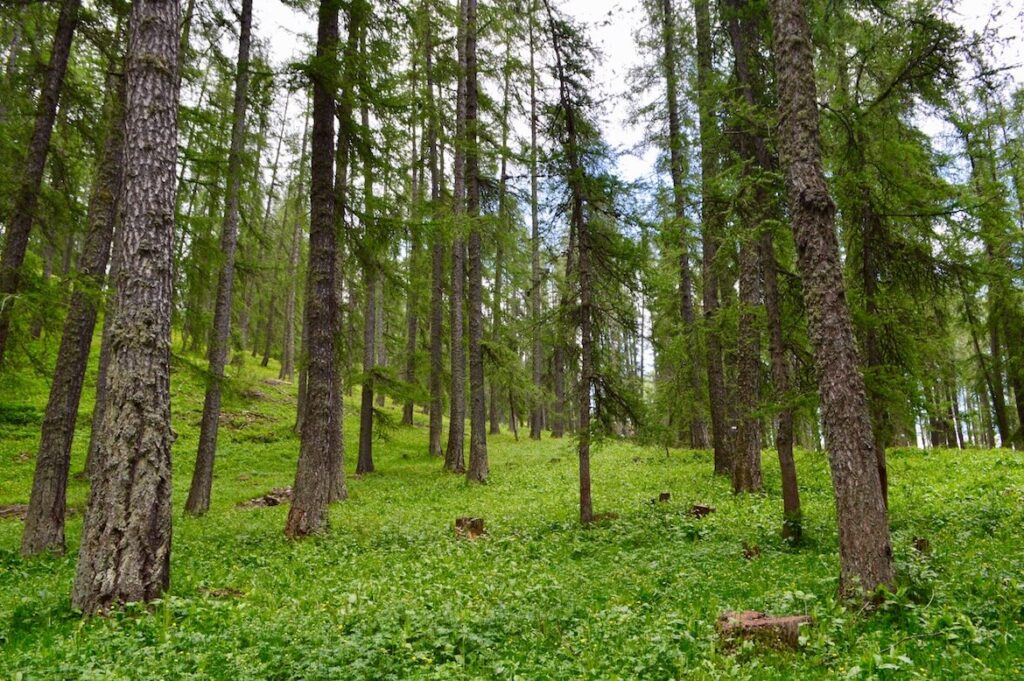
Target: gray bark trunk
x,y
198,502
865,552
126,538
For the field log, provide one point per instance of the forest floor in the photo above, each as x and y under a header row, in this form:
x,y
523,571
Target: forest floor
x,y
391,592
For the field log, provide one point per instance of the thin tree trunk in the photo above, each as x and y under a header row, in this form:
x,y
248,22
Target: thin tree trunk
x,y
198,502
698,430
582,233
365,463
125,551
19,227
791,512
44,523
454,452
288,354
865,552
537,354
312,489
478,467
437,255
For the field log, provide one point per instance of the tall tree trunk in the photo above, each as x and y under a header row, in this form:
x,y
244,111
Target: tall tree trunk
x,y
865,553
437,255
126,537
677,165
583,272
19,227
478,467
44,524
537,351
198,501
746,465
312,488
711,216
288,355
454,452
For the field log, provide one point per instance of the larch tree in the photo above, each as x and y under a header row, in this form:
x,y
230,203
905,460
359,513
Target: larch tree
x,y
44,523
312,489
19,227
126,537
478,467
198,502
865,552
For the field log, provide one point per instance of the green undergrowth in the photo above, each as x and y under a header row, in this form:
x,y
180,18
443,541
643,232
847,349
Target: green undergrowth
x,y
390,592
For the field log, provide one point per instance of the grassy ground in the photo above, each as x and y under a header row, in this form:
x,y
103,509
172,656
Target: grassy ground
x,y
389,592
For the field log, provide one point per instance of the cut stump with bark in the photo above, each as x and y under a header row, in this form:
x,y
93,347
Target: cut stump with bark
x,y
775,632
469,528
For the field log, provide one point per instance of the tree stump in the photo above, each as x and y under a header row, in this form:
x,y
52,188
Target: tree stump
x,y
469,528
775,632
699,511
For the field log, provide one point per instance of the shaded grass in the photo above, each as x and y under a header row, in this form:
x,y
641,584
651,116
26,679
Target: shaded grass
x,y
389,592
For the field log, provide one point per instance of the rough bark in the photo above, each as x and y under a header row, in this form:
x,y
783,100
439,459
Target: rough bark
x,y
312,487
44,523
746,465
198,502
19,227
865,553
711,212
126,538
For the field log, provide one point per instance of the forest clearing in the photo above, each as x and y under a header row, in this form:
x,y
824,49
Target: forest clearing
x,y
392,592
511,339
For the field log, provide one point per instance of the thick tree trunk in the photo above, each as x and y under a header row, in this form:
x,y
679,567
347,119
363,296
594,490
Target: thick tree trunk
x,y
478,467
312,489
126,537
198,501
19,227
865,553
711,216
44,524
